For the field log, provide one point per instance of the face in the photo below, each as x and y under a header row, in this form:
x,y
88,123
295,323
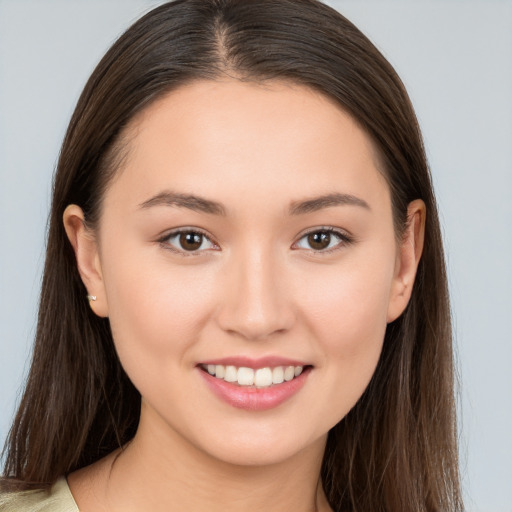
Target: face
x,y
247,262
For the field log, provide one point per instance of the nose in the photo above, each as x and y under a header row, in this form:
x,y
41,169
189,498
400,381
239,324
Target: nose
x,y
255,301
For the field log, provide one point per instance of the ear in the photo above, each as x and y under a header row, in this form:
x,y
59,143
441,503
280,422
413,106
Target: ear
x,y
408,258
87,256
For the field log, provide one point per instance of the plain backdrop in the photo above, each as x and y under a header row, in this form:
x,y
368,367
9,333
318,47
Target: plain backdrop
x,y
455,58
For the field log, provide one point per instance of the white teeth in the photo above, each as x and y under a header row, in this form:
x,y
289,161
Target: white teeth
x,y
245,376
277,375
260,378
220,371
263,378
289,373
231,374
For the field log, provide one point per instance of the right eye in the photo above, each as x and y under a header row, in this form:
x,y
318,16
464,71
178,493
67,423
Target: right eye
x,y
188,241
323,240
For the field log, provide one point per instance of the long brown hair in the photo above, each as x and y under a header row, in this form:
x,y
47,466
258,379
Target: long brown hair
x,y
397,448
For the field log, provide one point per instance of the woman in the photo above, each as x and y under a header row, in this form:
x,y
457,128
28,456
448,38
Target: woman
x,y
244,301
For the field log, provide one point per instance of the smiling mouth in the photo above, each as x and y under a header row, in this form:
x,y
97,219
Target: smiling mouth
x,y
255,378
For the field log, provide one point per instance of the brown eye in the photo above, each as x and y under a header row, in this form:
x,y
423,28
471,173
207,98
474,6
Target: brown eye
x,y
323,240
191,241
319,240
188,241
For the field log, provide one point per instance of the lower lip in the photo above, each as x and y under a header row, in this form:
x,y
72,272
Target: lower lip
x,y
254,399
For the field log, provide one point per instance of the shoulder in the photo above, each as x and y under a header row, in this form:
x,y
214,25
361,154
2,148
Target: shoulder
x,y
58,499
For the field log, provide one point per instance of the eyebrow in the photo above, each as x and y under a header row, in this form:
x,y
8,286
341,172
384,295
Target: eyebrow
x,y
200,204
326,201
190,201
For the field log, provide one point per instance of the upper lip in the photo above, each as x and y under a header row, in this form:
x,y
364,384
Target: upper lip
x,y
254,363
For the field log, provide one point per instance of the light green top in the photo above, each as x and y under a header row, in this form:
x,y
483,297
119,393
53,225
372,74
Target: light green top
x,y
59,499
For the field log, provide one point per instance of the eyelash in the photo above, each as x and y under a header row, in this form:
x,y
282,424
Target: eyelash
x,y
343,240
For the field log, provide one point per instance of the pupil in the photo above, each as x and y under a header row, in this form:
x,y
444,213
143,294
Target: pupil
x,y
191,241
319,240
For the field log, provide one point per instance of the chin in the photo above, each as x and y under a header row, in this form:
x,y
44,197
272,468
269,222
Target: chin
x,y
263,450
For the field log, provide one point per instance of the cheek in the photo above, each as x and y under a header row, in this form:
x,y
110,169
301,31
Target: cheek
x,y
347,307
350,327
346,313
156,310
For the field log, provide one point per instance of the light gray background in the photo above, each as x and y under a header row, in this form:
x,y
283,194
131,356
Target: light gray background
x,y
455,57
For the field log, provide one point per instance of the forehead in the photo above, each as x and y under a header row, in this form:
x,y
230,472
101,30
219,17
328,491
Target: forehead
x,y
219,137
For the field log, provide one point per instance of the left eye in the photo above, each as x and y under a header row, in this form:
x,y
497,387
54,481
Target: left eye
x,y
321,240
189,241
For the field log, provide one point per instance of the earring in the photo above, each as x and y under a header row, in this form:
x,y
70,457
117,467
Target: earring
x,y
91,297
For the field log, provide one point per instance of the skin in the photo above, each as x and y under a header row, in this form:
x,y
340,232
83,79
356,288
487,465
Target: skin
x,y
257,289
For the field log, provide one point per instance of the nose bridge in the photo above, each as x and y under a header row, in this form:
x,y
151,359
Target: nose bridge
x,y
255,304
